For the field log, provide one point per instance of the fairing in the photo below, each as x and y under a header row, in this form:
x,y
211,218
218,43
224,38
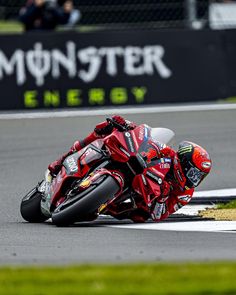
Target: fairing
x,y
75,166
138,149
142,145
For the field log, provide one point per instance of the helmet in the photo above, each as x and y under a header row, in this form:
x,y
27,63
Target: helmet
x,y
195,163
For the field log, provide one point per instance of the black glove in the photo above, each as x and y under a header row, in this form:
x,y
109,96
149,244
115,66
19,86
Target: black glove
x,y
103,129
121,124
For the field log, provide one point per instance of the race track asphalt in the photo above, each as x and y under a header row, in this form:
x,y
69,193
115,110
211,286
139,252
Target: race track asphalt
x,y
26,148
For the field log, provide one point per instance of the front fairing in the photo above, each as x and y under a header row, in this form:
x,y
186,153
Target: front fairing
x,y
79,163
75,166
123,145
140,149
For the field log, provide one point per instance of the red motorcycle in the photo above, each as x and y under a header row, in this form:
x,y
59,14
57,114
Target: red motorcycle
x,y
106,171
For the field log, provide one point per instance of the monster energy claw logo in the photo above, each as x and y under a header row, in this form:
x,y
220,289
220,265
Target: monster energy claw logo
x,y
185,149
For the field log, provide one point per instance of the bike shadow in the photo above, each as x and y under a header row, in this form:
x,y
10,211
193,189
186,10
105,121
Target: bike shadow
x,y
102,221
106,220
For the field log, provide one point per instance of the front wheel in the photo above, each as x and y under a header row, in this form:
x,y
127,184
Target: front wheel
x,y
87,205
31,207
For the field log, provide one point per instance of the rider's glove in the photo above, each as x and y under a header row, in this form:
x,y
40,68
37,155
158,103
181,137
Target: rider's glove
x,y
130,125
56,166
125,123
119,120
105,128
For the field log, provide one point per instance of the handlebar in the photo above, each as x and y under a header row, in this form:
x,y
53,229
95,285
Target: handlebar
x,y
116,125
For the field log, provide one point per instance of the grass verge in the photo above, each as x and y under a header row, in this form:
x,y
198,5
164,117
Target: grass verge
x,y
7,27
230,205
10,27
231,99
182,278
221,212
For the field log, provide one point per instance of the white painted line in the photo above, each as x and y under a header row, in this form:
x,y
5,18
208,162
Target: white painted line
x,y
119,110
202,226
228,192
193,210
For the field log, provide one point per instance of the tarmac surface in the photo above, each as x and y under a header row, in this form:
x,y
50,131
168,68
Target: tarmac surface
x,y
26,148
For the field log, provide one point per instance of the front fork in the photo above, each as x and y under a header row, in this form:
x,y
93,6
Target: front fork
x,y
44,189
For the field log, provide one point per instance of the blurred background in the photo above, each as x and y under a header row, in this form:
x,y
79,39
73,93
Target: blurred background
x,y
120,14
115,52
111,14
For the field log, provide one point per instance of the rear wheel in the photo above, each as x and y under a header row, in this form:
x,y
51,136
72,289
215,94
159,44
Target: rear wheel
x,y
31,207
98,194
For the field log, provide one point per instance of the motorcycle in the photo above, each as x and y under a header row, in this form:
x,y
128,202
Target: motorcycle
x,y
106,171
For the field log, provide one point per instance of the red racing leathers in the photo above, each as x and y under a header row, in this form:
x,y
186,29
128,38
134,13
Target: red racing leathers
x,y
173,193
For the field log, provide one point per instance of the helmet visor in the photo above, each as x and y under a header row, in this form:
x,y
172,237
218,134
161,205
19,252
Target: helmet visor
x,y
195,176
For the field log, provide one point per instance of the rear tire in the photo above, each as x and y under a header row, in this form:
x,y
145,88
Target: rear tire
x,y
89,204
31,207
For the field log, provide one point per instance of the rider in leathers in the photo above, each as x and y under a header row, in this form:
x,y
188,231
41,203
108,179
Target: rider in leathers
x,y
189,166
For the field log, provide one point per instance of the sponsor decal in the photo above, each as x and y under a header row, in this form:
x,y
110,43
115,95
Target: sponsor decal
x,y
165,166
75,97
163,199
179,175
129,141
194,175
135,142
150,155
101,208
125,152
160,181
185,198
85,183
154,177
167,160
141,133
159,210
178,206
144,180
185,149
141,160
206,165
72,164
146,133
161,145
84,64
43,187
155,170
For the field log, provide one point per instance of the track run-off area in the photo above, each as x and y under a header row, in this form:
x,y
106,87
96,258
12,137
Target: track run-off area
x,y
29,141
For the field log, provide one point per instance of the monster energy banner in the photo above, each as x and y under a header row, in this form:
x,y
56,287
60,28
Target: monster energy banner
x,y
49,70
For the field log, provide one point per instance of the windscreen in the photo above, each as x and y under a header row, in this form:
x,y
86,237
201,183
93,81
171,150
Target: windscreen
x,y
162,135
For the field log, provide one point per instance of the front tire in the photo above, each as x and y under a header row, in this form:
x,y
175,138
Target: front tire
x,y
31,207
87,205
